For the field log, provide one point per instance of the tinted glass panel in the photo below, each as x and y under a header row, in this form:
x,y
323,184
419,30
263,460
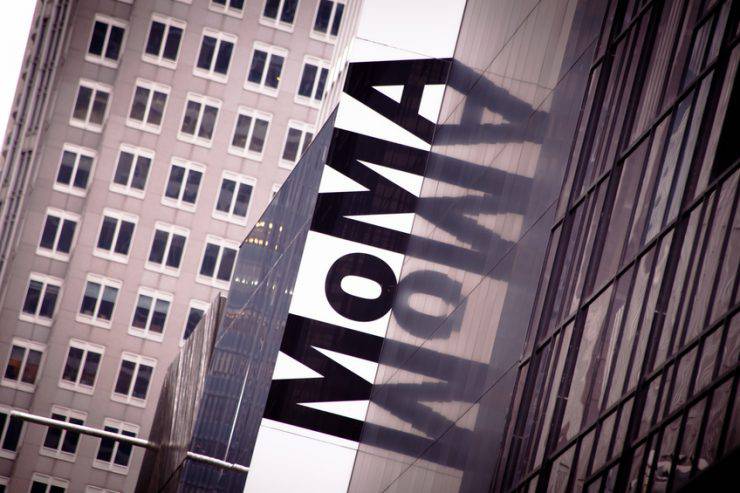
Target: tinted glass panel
x,y
207,49
307,79
224,57
159,317
242,131
72,366
125,233
107,230
156,35
225,197
50,300
105,311
258,66
140,173
90,299
157,109
125,375
156,254
123,169
273,72
90,369
322,16
33,295
175,182
208,122
142,381
337,19
66,167
13,370
64,244
242,200
98,38
141,313
174,256
190,119
31,370
191,186
208,265
84,96
227,264
98,109
114,43
50,232
172,45
290,152
83,171
258,135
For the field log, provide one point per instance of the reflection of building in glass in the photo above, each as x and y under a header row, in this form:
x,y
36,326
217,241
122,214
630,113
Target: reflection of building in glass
x,y
564,317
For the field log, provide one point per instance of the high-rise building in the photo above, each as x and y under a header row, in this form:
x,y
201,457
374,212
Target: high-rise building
x,y
146,138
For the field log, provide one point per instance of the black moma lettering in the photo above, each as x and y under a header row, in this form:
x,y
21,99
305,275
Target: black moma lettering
x,y
355,307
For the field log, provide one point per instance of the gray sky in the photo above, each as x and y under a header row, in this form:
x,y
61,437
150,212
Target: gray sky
x,y
15,21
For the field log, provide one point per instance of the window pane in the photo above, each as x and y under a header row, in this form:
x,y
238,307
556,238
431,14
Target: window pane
x,y
54,434
242,130
50,232
223,203
174,256
193,318
31,370
322,84
84,96
33,295
123,169
159,317
114,43
72,366
13,434
208,122
156,254
38,487
89,300
289,8
207,49
141,386
98,109
175,182
98,38
337,19
224,57
83,172
258,135
191,186
105,452
107,230
141,313
290,153
192,110
125,233
64,244
13,370
258,66
66,167
227,263
273,72
307,79
156,35
125,375
242,199
106,304
157,109
138,107
50,301
271,9
141,170
172,46
208,266
90,368
71,438
322,16
123,454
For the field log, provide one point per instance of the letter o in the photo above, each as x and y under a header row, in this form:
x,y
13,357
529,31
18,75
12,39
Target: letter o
x,y
354,307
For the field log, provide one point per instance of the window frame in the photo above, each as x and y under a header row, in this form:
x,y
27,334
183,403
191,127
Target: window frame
x,y
63,216
111,466
79,151
327,37
179,203
254,115
86,124
153,87
221,243
168,22
101,59
170,229
45,279
203,101
231,217
220,37
155,295
276,22
198,305
7,453
136,152
138,360
104,282
320,65
226,9
49,481
271,51
58,453
85,347
119,216
28,345
302,146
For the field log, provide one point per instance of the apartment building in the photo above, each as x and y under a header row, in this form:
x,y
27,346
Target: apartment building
x,y
146,139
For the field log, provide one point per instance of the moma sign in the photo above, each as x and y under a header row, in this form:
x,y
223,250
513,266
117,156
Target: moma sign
x,y
348,274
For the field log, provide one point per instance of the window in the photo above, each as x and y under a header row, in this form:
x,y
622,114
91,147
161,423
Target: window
x,y
279,13
168,246
116,233
41,483
215,55
132,170
10,433
150,314
229,7
59,443
183,184
91,106
313,82
58,234
75,169
250,133
41,299
147,106
114,455
297,138
24,363
328,19
163,43
134,376
106,41
218,262
99,300
3,484
195,312
81,368
233,199
199,119
265,69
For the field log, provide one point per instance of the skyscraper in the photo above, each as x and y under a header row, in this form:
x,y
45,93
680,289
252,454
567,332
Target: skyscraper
x,y
146,138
